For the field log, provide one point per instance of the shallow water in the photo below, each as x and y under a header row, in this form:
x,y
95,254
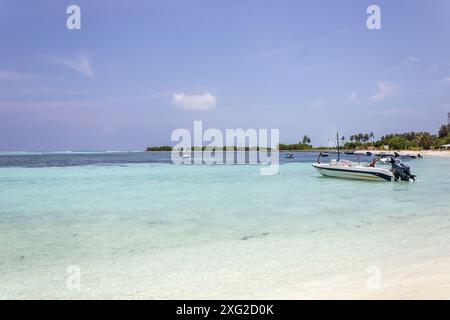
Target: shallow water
x,y
140,227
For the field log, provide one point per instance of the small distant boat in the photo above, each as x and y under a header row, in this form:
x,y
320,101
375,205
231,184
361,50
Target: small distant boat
x,y
404,156
368,153
386,154
349,152
289,156
408,156
324,154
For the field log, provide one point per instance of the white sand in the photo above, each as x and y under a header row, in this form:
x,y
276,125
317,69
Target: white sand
x,y
427,280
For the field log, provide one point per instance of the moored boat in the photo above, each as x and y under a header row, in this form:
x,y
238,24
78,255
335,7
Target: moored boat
x,y
351,170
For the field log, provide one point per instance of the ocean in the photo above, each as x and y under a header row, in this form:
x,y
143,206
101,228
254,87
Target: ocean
x,y
133,225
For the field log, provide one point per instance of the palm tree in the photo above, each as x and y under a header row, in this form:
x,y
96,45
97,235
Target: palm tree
x,y
366,137
306,140
443,131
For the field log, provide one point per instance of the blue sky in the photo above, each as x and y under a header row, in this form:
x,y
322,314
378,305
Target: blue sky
x,y
137,70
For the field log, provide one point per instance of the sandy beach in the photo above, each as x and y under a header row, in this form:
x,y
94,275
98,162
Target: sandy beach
x,y
421,280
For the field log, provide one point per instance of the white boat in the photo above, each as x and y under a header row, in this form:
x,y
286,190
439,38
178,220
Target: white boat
x,y
351,170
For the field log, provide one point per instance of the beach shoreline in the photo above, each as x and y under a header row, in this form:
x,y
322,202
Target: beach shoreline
x,y
426,153
427,280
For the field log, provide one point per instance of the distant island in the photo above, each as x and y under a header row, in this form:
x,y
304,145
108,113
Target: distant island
x,y
360,141
227,148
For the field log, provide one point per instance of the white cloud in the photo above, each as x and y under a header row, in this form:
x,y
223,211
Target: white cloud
x,y
385,90
12,76
354,97
411,59
205,101
80,64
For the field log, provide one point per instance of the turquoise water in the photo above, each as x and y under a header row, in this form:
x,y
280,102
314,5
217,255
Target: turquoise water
x,y
157,230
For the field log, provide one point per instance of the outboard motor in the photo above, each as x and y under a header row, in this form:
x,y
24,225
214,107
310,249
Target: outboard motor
x,y
401,171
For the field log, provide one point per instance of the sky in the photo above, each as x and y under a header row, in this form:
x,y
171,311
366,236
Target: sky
x,y
137,70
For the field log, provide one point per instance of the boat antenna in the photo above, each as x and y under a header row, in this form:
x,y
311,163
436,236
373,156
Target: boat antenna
x,y
339,154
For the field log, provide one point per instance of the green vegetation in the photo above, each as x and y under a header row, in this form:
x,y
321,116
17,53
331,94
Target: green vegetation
x,y
397,141
162,148
294,147
444,131
401,141
305,144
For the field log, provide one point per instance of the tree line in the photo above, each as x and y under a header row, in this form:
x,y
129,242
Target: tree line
x,y
304,144
401,141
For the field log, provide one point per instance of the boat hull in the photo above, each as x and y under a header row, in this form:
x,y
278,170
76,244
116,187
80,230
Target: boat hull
x,y
369,174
